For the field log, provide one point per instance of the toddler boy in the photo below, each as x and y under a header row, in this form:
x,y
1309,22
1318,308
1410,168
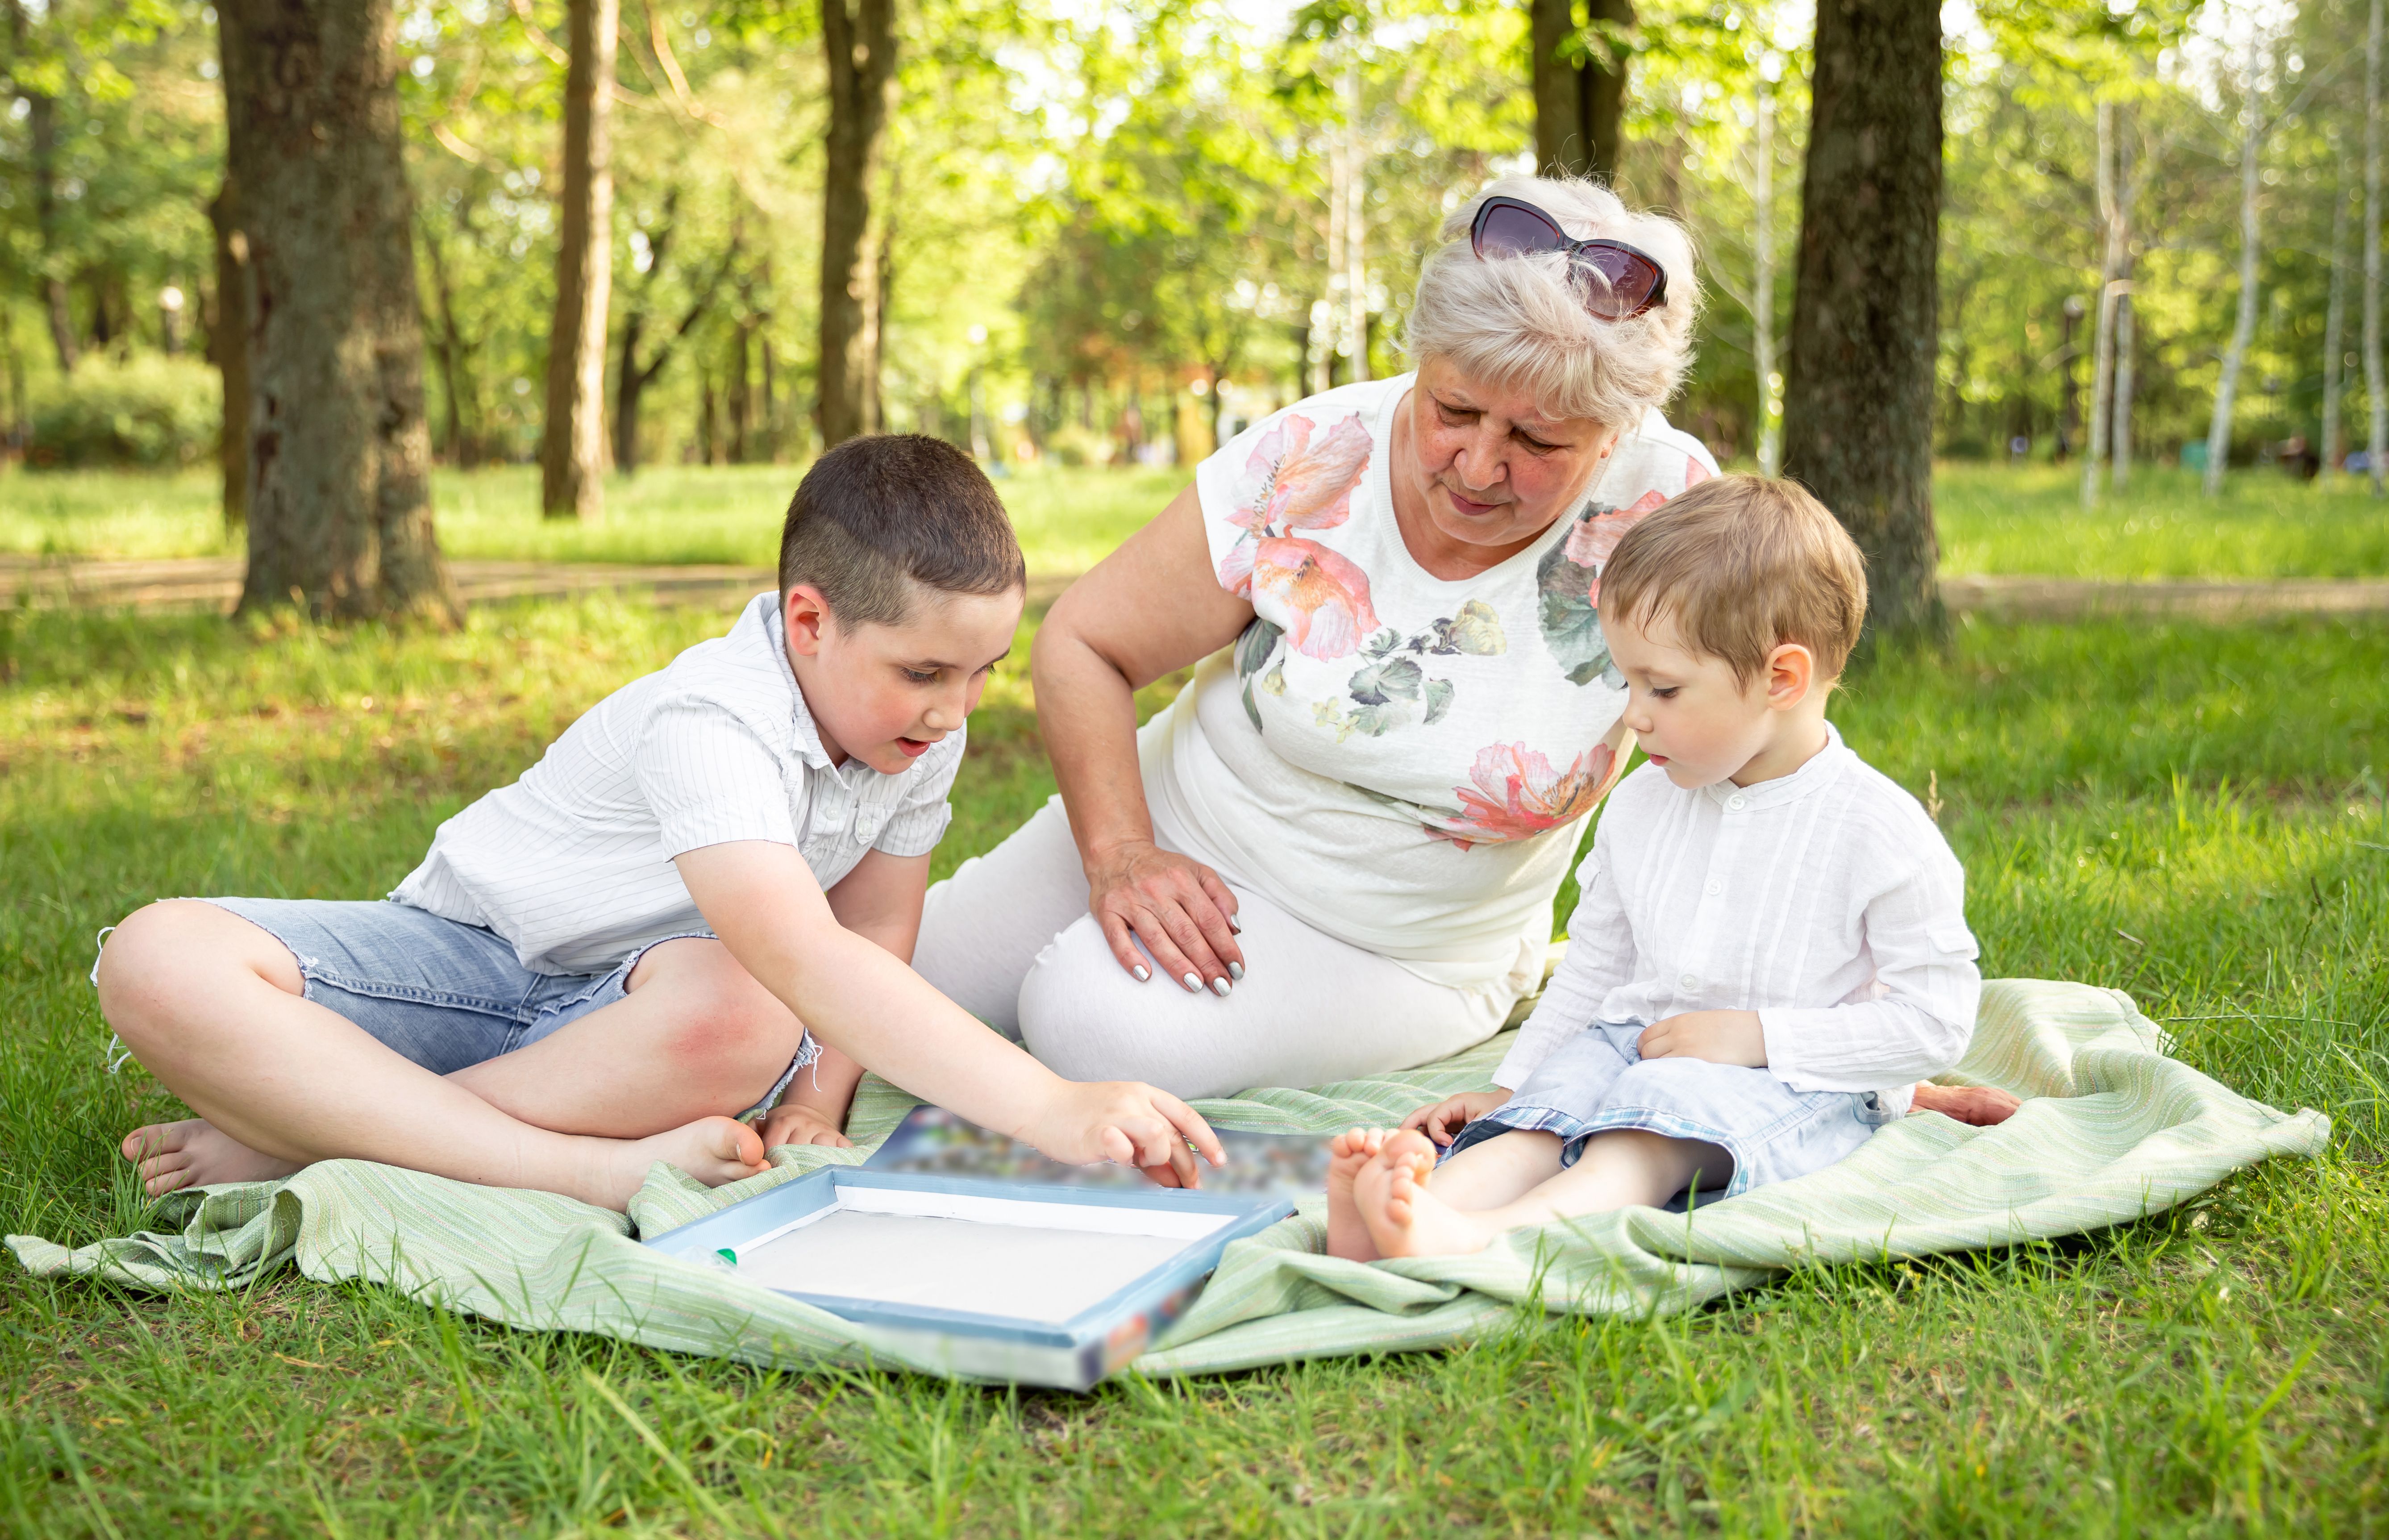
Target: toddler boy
x,y
1770,947
595,964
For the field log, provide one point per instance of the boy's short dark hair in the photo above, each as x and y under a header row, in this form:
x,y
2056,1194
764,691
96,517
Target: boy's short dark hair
x,y
879,514
1742,565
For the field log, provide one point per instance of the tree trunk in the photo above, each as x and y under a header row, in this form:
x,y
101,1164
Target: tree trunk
x,y
449,349
1762,289
42,133
2244,331
228,350
339,506
2334,331
741,414
629,386
2120,453
2376,386
572,449
1355,255
860,45
2102,369
1580,108
1858,409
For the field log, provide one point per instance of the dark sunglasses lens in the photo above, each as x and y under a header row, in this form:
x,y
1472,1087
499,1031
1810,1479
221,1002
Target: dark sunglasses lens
x,y
1507,230
1616,284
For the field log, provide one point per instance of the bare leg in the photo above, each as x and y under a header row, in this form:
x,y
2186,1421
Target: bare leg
x,y
695,1035
212,1006
1619,1169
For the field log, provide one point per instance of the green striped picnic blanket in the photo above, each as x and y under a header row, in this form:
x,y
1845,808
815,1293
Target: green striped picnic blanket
x,y
2114,1129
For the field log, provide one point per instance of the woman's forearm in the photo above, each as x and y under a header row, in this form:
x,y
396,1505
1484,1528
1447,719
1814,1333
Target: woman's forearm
x,y
1086,708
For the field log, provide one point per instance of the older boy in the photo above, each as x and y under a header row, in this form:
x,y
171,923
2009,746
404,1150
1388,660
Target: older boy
x,y
1771,948
595,964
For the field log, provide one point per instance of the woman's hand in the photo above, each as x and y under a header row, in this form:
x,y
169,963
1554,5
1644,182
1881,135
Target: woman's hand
x,y
1443,1121
1178,907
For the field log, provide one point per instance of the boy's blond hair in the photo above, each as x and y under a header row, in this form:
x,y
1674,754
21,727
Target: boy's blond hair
x,y
1741,565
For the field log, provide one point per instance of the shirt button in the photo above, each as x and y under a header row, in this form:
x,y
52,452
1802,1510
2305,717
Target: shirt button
x,y
1690,981
1714,888
1736,802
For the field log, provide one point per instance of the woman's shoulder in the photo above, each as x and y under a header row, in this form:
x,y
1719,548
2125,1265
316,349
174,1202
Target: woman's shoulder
x,y
1658,457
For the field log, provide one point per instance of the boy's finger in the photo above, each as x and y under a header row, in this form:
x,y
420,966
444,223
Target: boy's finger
x,y
1190,1126
1117,1147
1116,932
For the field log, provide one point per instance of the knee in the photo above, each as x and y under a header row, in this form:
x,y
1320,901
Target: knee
x,y
163,953
719,1017
1078,1016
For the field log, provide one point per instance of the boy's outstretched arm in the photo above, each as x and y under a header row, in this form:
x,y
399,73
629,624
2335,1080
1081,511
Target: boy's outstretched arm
x,y
879,900
761,900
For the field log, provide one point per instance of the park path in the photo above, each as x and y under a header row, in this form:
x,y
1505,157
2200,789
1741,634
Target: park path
x,y
213,583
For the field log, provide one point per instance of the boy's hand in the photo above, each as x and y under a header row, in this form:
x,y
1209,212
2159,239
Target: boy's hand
x,y
792,1122
1443,1121
1719,1037
1983,1106
1125,1122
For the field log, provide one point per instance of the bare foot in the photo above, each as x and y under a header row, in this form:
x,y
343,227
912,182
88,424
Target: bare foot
x,y
1404,1217
713,1149
195,1153
1347,1237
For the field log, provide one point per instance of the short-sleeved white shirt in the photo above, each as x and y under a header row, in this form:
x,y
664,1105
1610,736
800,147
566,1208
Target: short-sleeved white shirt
x,y
573,862
1401,762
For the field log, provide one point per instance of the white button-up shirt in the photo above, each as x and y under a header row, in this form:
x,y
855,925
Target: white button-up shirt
x,y
573,862
1825,900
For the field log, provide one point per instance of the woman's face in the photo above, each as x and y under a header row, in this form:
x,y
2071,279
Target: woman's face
x,y
1497,470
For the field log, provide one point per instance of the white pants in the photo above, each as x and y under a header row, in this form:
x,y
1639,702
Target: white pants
x,y
1009,938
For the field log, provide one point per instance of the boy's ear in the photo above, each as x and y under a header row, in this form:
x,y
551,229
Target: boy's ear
x,y
804,614
1791,674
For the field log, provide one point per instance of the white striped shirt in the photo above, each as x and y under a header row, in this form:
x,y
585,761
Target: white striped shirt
x,y
573,862
1825,900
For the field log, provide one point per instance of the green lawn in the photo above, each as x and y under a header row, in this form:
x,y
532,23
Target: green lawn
x,y
2198,815
1992,520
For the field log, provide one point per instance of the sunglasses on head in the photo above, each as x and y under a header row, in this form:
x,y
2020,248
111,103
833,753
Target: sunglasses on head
x,y
1616,281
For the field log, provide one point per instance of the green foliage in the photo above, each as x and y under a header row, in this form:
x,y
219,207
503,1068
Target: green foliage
x,y
153,412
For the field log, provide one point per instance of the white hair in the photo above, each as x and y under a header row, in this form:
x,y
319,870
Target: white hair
x,y
1520,323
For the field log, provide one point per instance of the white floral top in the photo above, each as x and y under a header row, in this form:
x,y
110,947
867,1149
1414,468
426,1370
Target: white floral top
x,y
1399,760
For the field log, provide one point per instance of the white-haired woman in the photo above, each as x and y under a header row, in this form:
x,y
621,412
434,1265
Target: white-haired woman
x,y
1335,854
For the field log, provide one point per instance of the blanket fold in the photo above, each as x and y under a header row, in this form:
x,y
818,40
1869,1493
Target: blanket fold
x,y
2112,1129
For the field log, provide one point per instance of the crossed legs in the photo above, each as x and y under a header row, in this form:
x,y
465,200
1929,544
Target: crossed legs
x,y
1380,1203
213,1006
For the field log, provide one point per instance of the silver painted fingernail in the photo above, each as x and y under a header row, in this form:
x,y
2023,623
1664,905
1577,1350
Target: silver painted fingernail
x,y
1143,973
1221,987
1234,925
1236,972
1193,984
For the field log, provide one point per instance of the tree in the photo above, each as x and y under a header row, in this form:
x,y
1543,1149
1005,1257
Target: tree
x,y
2375,385
41,118
859,46
2251,151
2335,332
632,374
572,450
1580,87
228,349
340,507
1857,411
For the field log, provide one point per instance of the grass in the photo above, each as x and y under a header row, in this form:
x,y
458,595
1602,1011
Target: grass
x,y
1067,519
1993,520
2195,814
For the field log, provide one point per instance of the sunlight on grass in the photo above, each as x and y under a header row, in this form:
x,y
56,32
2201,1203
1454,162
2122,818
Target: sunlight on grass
x,y
1992,520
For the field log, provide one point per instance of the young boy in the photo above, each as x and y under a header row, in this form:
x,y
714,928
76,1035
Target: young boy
x,y
595,964
1772,944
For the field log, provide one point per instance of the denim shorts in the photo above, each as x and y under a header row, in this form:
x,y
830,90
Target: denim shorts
x,y
1599,1080
439,992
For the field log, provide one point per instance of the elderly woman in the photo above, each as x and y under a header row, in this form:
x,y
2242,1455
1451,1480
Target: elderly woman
x,y
1336,853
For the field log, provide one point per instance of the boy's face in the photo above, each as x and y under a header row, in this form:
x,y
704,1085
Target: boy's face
x,y
884,694
1693,716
